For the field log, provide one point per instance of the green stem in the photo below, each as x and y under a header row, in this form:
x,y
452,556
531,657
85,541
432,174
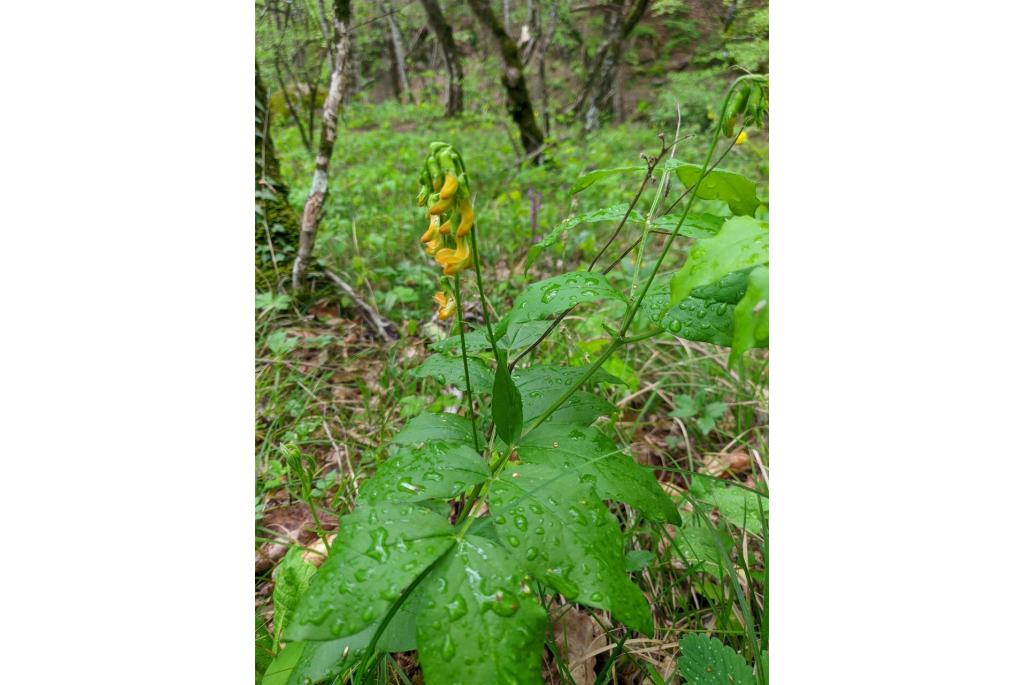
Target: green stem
x,y
635,305
480,285
465,363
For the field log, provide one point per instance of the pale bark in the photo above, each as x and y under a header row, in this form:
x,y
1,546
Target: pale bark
x,y
598,92
452,63
340,81
397,49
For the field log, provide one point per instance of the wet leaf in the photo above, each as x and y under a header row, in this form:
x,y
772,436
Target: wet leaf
x,y
705,660
379,551
434,470
589,452
451,371
556,294
742,243
479,621
446,426
554,524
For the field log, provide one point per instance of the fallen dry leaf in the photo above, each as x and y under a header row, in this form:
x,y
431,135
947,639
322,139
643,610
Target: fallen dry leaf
x,y
731,463
578,635
289,525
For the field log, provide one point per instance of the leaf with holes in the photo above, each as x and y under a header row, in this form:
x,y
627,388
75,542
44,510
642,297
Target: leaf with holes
x,y
553,523
719,184
450,371
479,622
705,660
556,294
742,243
446,426
434,470
587,451
378,552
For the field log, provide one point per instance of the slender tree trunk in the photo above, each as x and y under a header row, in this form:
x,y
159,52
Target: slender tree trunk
x,y
445,39
514,80
597,94
277,224
397,50
340,80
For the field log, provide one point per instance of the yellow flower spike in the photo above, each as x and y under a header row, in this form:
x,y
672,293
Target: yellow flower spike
x,y
467,218
741,138
440,206
451,184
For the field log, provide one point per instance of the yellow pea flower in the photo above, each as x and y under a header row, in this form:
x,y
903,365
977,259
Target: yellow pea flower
x,y
455,260
467,218
445,305
741,138
451,184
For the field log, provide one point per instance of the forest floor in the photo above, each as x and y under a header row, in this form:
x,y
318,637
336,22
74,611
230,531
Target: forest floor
x,y
330,395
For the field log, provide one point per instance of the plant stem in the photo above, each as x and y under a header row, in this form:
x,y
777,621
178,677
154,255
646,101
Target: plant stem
x,y
465,363
480,284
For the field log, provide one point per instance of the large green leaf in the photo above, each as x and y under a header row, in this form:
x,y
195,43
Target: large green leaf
x,y
546,377
705,660
450,371
479,622
554,523
592,177
378,552
506,402
696,225
581,409
702,320
750,323
719,184
558,293
429,426
587,451
301,663
742,243
291,579
434,470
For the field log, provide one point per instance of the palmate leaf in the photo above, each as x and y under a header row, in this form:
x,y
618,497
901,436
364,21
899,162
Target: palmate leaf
x,y
378,552
450,371
554,524
429,426
433,470
479,622
719,184
705,660
556,294
741,244
587,451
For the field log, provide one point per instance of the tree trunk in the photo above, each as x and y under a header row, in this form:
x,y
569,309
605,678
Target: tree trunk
x,y
512,77
397,50
277,224
596,97
441,29
340,79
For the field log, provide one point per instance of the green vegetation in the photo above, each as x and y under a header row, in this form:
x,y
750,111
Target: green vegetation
x,y
619,465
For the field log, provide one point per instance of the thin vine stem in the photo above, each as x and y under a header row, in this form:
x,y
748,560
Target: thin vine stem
x,y
465,363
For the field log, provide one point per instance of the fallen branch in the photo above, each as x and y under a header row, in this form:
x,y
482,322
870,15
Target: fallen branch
x,y
380,326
